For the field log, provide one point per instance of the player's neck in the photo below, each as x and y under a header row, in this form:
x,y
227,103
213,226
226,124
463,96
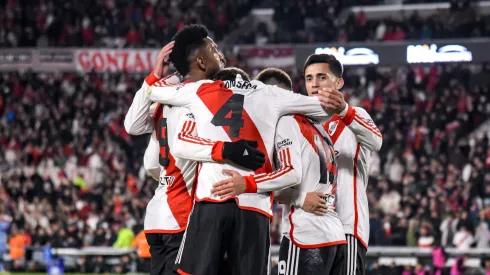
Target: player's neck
x,y
194,76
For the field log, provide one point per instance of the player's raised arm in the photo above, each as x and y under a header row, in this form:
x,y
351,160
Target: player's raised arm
x,y
180,95
361,124
292,103
138,118
188,145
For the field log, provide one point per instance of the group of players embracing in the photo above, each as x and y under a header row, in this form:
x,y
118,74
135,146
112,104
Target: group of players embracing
x,y
225,147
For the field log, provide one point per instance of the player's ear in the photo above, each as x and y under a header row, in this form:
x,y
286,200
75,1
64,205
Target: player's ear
x,y
201,64
339,84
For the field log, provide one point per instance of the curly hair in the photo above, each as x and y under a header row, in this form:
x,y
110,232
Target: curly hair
x,y
187,41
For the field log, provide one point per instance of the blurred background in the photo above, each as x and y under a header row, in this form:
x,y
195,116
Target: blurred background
x,y
73,189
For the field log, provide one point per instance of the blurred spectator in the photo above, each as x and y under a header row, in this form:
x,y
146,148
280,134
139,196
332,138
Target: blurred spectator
x,y
439,257
426,238
458,267
71,174
448,229
482,236
463,238
101,267
420,270
144,255
125,238
319,21
112,23
4,225
17,244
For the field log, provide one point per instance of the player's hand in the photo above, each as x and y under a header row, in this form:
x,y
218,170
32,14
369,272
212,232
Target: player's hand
x,y
315,203
233,186
332,100
162,65
244,153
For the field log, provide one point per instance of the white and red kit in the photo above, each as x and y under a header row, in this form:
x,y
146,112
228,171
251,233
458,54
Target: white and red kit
x,y
354,136
169,209
308,151
233,110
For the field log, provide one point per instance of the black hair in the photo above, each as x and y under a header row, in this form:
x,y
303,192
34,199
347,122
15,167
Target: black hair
x,y
187,41
335,66
230,73
276,74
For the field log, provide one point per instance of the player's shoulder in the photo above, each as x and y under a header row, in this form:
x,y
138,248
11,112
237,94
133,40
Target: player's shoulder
x,y
364,115
361,111
287,123
258,84
174,112
270,89
286,132
174,79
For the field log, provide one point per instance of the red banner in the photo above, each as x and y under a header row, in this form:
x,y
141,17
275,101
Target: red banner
x,y
115,60
272,56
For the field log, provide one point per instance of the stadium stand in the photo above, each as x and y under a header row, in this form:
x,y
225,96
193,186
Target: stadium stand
x,y
72,178
111,23
78,181
321,22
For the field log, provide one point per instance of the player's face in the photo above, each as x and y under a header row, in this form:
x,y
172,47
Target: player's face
x,y
215,60
318,76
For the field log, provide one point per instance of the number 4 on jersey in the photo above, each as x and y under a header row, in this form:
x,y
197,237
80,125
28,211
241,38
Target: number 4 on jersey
x,y
234,105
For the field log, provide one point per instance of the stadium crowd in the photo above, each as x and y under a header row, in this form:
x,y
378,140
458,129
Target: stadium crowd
x,y
315,22
111,23
123,23
71,176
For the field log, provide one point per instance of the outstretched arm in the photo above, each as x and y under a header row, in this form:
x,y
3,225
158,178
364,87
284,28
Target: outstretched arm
x,y
288,148
187,144
138,119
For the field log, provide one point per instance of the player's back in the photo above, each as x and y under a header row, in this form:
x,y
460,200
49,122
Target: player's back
x,y
236,110
169,208
233,110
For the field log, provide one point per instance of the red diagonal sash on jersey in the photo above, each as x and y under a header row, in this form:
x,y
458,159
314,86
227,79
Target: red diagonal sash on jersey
x,y
337,129
306,131
178,198
309,131
214,95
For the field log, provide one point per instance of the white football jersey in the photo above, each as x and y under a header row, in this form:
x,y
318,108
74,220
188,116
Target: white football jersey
x,y
308,151
354,136
169,209
234,110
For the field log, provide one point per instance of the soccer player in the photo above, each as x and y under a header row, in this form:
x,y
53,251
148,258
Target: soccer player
x,y
228,111
355,136
168,211
312,244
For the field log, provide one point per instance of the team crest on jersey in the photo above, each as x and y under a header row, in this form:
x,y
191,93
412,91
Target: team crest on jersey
x,y
190,115
166,180
284,143
332,126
